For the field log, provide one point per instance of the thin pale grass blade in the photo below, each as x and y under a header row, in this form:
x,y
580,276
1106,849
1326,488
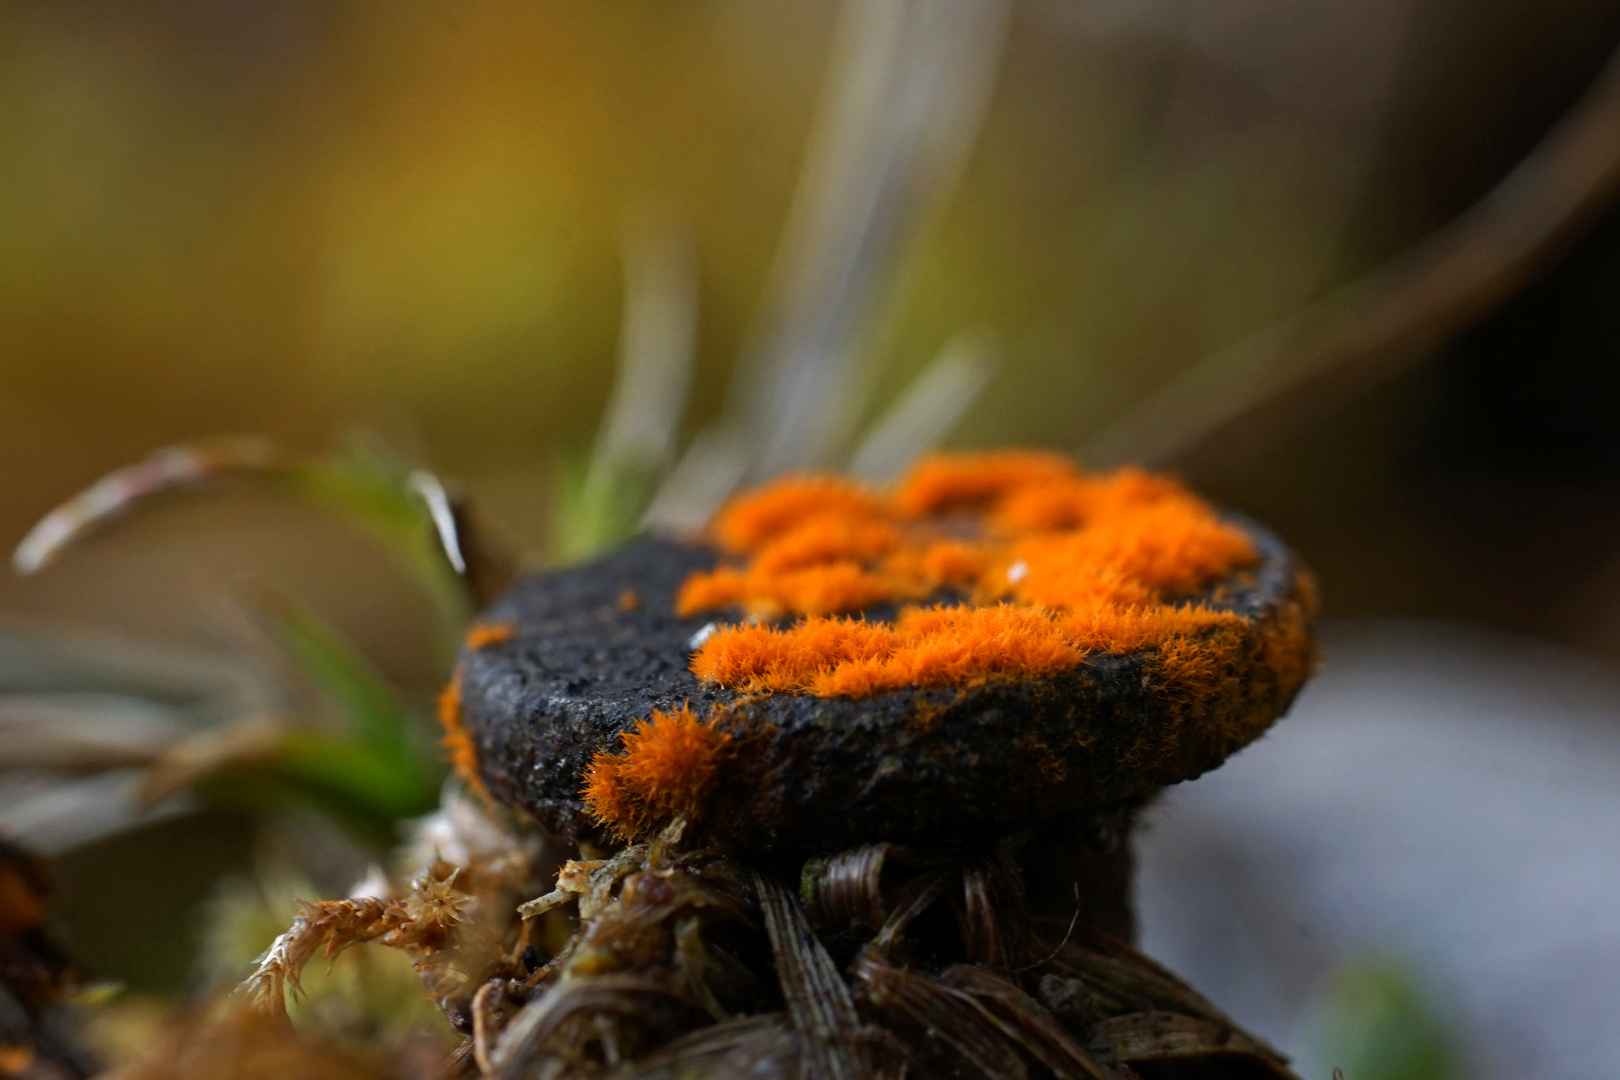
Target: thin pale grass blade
x,y
53,813
487,567
818,1003
928,411
902,108
189,760
436,500
170,469
1390,319
902,104
365,485
83,732
605,501
657,342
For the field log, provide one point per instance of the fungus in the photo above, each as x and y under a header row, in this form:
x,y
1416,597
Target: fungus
x,y
663,772
947,697
488,635
458,744
998,639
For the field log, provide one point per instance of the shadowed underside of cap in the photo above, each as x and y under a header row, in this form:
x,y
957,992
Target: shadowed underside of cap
x,y
1031,640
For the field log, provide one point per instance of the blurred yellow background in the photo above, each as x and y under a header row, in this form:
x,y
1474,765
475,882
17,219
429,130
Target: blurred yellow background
x,y
290,217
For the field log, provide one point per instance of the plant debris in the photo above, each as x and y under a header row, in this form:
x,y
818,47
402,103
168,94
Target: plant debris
x,y
684,963
37,976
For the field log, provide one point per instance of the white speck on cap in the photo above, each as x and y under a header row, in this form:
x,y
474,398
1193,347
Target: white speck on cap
x,y
1018,571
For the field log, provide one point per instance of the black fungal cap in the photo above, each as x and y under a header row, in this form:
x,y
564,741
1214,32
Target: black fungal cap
x,y
937,765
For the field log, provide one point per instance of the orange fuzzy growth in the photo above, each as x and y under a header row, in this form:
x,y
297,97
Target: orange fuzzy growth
x,y
1195,668
485,635
607,797
762,515
1072,502
827,538
812,590
1061,563
1168,548
954,646
456,740
665,770
935,646
724,586
1108,628
822,590
764,658
944,482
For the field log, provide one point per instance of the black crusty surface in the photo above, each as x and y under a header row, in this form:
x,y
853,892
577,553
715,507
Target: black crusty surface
x,y
816,774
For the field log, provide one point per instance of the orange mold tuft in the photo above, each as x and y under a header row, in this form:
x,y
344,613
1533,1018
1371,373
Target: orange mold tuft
x,y
747,523
487,635
1054,562
666,768
456,741
943,482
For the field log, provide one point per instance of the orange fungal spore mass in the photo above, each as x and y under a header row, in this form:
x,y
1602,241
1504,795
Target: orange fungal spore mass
x,y
1047,563
665,769
456,741
488,635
